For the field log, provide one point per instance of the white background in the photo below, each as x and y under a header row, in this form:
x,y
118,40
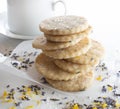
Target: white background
x,y
103,15
2,5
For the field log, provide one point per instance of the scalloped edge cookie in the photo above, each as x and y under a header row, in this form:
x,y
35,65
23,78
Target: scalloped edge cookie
x,y
72,67
42,43
66,38
93,55
64,25
80,48
48,69
80,83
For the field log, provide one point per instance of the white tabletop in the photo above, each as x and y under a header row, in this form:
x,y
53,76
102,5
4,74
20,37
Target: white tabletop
x,y
8,44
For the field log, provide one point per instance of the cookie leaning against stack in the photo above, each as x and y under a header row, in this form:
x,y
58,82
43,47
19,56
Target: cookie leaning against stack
x,y
69,55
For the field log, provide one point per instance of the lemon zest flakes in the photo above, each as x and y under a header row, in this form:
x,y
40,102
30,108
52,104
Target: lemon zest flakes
x,y
30,94
7,101
104,105
30,107
22,97
5,94
38,102
20,59
117,104
94,108
96,104
104,97
28,89
109,88
26,93
75,106
99,78
12,107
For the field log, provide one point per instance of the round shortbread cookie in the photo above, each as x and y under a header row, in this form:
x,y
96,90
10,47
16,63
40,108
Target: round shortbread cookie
x,y
94,54
48,69
80,83
64,25
72,51
42,43
66,38
72,67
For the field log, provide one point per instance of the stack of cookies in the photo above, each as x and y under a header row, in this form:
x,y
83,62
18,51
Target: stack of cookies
x,y
69,56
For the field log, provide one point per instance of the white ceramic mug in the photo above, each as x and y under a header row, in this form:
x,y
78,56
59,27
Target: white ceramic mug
x,y
24,16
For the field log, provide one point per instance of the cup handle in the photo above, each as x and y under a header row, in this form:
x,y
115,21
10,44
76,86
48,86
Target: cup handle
x,y
59,1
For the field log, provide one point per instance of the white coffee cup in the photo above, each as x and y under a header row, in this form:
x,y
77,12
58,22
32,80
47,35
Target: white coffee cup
x,y
24,16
